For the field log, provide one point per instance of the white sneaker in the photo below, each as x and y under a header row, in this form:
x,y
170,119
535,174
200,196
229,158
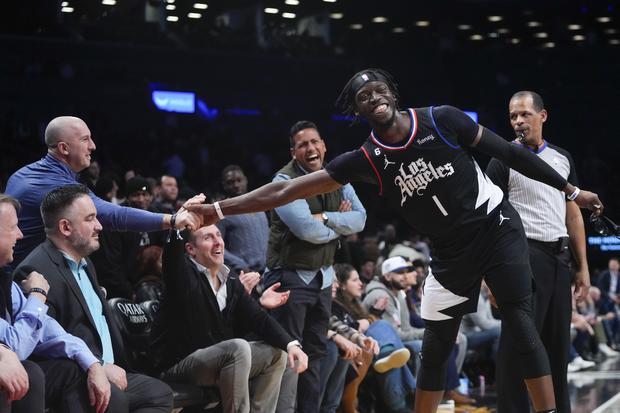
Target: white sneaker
x,y
608,351
573,366
394,360
585,364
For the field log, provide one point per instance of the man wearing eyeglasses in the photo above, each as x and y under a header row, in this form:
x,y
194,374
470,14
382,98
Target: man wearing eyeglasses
x,y
554,228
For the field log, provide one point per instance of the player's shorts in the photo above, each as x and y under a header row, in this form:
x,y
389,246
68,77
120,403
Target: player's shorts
x,y
497,252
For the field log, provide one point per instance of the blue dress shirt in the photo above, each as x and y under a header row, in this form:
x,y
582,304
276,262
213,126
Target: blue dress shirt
x,y
94,306
298,218
32,331
31,183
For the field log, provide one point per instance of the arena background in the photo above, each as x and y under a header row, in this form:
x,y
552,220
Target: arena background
x,y
255,71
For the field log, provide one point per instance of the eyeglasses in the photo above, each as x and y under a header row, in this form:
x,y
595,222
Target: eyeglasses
x,y
604,226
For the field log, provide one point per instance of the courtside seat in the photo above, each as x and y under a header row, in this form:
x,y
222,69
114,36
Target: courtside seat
x,y
135,322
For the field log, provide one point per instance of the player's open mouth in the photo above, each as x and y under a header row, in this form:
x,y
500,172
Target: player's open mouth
x,y
382,108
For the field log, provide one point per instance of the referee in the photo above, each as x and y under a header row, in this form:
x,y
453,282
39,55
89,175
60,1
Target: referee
x,y
552,224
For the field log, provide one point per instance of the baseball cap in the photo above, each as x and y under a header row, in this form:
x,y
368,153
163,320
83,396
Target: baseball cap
x,y
393,264
137,184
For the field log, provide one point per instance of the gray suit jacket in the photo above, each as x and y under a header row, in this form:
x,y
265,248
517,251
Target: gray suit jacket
x,y
65,299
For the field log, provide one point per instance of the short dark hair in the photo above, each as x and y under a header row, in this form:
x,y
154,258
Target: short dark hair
x,y
57,201
230,168
8,199
299,126
537,100
160,180
346,100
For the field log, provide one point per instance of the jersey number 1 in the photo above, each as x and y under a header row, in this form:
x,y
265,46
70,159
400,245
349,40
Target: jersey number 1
x,y
441,208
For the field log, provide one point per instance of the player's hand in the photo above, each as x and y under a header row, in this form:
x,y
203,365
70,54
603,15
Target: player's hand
x,y
98,388
206,211
187,220
297,359
271,299
116,375
249,280
582,284
13,377
590,200
195,200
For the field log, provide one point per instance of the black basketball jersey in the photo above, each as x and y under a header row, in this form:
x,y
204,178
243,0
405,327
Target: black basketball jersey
x,y
436,184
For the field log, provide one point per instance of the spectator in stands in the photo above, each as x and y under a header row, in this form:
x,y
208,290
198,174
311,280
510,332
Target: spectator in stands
x,y
26,329
245,235
609,282
303,239
387,288
396,278
168,193
107,189
90,176
349,342
15,384
76,301
609,318
203,292
396,380
367,270
595,316
69,147
481,328
118,259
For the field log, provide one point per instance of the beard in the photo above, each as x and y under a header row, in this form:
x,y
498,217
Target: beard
x,y
393,285
82,245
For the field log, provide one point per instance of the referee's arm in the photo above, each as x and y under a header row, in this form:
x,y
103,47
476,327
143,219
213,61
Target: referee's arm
x,y
577,239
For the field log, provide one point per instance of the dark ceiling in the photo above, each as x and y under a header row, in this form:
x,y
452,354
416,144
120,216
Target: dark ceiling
x,y
336,26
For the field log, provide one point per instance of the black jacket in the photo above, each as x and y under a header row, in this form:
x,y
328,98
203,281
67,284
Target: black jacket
x,y
190,318
66,302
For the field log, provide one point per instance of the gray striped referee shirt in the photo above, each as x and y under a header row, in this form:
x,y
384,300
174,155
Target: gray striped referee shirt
x,y
542,208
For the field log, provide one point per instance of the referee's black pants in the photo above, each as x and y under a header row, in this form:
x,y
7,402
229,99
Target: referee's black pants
x,y
552,306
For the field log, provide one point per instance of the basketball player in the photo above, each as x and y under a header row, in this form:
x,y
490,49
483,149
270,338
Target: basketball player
x,y
420,160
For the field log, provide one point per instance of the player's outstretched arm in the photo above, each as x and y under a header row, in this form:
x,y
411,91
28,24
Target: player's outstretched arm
x,y
533,167
270,196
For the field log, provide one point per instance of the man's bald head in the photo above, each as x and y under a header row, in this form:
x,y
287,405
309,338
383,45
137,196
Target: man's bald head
x,y
58,127
68,140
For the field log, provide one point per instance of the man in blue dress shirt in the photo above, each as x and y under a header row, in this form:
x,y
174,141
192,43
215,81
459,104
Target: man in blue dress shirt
x,y
69,147
27,330
303,240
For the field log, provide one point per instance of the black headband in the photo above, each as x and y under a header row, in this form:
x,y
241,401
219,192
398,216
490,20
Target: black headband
x,y
364,78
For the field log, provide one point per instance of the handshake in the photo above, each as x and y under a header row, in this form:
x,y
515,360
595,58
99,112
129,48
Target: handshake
x,y
193,214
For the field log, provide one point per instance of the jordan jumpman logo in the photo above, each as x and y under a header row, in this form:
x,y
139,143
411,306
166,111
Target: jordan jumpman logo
x,y
387,162
502,218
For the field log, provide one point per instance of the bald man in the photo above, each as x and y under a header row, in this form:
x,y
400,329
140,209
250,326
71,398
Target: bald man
x,y
69,147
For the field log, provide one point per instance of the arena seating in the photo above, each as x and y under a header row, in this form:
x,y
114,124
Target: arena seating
x,y
135,322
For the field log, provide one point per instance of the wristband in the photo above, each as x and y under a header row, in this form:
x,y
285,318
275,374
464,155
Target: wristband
x,y
218,210
38,290
173,221
574,195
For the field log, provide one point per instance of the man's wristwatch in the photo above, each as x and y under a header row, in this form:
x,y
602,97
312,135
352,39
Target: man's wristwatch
x,y
38,290
325,218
